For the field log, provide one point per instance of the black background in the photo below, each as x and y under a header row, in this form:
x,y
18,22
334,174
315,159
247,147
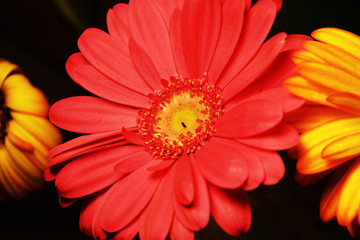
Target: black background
x,y
39,37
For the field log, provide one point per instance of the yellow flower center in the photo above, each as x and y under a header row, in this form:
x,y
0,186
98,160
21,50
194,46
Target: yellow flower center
x,y
180,117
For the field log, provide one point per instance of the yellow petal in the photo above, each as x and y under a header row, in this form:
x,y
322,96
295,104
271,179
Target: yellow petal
x,y
334,56
340,38
349,204
40,127
20,159
307,90
5,69
346,101
37,153
345,147
22,97
313,142
327,76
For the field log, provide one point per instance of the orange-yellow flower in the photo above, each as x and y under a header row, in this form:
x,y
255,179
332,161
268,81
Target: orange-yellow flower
x,y
26,135
329,78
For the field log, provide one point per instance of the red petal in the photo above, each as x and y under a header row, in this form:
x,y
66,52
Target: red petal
x,y
65,202
92,172
133,137
248,119
85,144
155,222
282,68
130,196
94,81
112,58
295,42
89,216
128,232
87,114
231,25
161,165
196,215
175,41
133,162
117,22
184,183
167,7
200,29
257,24
273,165
221,163
144,65
281,137
259,63
255,168
180,232
230,209
149,30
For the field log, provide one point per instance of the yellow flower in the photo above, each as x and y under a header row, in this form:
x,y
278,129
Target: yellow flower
x,y
329,79
26,135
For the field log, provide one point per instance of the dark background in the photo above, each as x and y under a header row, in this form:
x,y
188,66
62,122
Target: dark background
x,y
39,36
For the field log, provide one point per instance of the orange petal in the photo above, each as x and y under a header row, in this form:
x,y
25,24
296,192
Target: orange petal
x,y
345,101
307,90
335,56
349,203
345,147
305,56
5,69
330,77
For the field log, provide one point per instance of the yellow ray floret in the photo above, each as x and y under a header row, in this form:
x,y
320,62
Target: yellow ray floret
x,y
26,135
340,38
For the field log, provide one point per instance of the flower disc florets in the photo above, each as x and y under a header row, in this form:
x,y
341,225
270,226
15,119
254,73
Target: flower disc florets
x,y
180,117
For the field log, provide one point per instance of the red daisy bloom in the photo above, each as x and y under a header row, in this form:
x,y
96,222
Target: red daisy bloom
x,y
188,116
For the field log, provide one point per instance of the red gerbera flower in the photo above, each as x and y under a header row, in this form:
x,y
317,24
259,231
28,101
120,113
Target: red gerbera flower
x,y
188,117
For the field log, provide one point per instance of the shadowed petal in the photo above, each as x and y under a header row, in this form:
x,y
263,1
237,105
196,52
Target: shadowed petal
x,y
273,165
89,216
87,114
230,209
256,171
196,215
